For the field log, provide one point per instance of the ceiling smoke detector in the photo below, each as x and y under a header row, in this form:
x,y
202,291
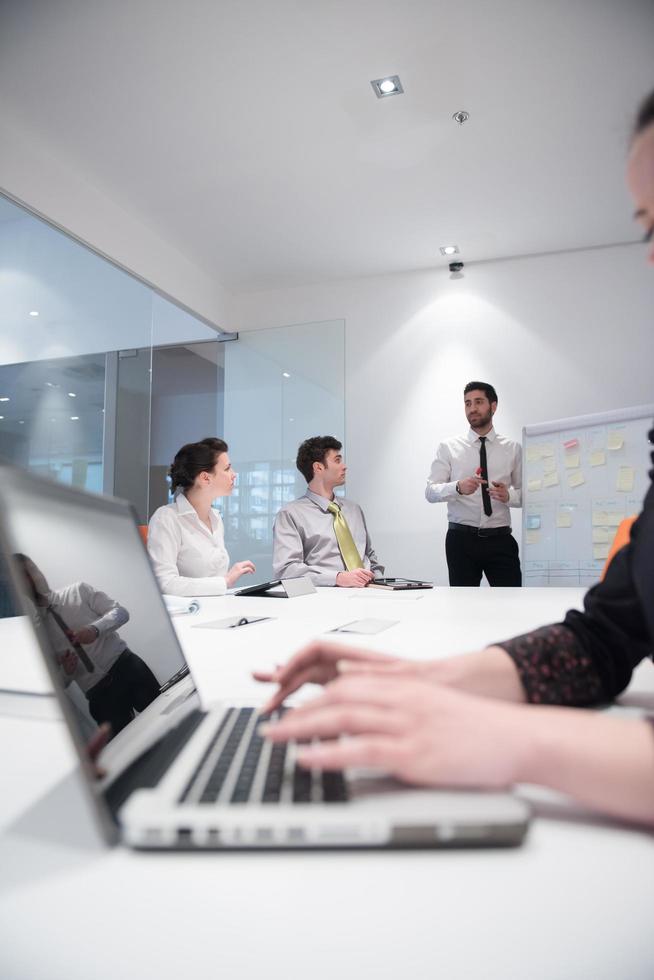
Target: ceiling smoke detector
x,y
461,116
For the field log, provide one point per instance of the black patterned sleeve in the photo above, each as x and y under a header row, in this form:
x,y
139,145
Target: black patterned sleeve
x,y
554,668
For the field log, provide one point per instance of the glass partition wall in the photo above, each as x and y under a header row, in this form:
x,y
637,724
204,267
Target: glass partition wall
x,y
102,380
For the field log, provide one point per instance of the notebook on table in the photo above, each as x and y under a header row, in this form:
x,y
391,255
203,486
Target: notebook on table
x,y
180,774
399,584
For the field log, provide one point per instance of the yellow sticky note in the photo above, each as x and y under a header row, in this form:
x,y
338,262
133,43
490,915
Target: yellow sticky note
x,y
547,449
533,453
598,458
613,518
600,551
576,479
534,485
615,440
600,517
533,537
601,535
551,479
625,481
572,461
549,465
564,518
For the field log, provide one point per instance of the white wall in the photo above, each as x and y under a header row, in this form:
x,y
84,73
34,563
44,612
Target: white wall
x,y
557,335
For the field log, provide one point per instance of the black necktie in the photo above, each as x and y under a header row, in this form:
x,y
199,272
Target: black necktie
x,y
82,654
485,496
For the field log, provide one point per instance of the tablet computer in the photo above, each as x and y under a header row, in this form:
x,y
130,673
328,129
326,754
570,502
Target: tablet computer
x,y
399,584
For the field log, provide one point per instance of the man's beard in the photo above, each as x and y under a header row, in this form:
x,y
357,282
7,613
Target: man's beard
x,y
482,422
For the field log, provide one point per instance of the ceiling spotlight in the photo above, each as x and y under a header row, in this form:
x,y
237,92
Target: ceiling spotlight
x,y
461,116
74,418
34,312
449,249
390,85
71,394
285,374
21,421
1,416
4,399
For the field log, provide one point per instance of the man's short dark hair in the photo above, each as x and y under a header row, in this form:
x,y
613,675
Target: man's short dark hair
x,y
313,451
644,115
484,386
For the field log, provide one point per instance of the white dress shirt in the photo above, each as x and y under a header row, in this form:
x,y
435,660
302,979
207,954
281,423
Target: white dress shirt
x,y
188,558
457,459
304,540
81,605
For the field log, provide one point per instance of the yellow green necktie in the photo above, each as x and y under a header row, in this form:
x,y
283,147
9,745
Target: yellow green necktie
x,y
348,549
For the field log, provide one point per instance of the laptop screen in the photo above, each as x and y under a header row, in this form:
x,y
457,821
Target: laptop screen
x,y
86,584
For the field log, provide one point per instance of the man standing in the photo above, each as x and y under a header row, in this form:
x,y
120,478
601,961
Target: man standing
x,y
479,475
317,535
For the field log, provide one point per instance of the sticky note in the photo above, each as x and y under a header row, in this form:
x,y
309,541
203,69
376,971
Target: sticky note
x,y
615,440
613,518
533,537
564,518
551,479
576,478
549,465
534,485
533,521
625,481
571,444
600,517
572,461
533,453
601,535
547,449
600,551
598,458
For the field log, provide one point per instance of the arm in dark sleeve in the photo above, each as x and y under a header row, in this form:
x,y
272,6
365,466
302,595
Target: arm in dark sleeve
x,y
589,657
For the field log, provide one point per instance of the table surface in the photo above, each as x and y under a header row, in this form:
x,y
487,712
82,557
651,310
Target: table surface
x,y
574,901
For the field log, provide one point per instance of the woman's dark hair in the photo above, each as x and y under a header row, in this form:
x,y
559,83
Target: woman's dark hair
x,y
192,459
644,115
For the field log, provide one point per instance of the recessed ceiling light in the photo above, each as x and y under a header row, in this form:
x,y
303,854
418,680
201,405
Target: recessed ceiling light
x,y
1,416
34,312
291,420
21,421
449,249
71,394
74,418
285,374
5,398
390,85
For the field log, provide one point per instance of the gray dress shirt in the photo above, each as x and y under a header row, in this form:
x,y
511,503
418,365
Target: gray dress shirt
x,y
304,542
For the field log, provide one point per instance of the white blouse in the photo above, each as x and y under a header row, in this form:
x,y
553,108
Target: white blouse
x,y
188,558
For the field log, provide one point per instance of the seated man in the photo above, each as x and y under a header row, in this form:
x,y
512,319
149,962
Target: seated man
x,y
318,536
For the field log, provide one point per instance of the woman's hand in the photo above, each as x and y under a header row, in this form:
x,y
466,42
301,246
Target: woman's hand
x,y
239,568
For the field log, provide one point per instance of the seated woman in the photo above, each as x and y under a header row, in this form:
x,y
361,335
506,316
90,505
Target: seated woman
x,y
186,539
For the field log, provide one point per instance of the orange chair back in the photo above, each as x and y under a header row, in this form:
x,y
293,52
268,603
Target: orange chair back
x,y
622,537
143,531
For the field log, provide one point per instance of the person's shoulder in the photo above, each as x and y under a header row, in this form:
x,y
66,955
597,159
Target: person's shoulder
x,y
505,441
166,514
454,442
71,593
294,506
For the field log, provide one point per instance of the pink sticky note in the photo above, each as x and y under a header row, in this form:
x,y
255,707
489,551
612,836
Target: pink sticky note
x,y
571,444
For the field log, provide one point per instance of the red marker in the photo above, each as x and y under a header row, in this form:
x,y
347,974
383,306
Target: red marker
x,y
478,471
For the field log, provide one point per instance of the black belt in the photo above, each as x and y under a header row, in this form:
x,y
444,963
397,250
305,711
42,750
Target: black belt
x,y
482,532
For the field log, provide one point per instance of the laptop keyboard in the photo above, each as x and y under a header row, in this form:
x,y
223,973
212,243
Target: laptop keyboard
x,y
239,766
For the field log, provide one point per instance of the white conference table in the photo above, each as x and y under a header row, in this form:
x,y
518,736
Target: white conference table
x,y
575,901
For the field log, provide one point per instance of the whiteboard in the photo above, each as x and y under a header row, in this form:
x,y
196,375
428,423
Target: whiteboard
x,y
581,477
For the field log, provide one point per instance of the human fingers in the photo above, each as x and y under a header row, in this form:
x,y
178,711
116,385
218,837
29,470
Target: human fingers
x,y
316,664
330,721
377,751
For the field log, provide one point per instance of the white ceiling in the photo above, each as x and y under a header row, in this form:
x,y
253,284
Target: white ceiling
x,y
248,136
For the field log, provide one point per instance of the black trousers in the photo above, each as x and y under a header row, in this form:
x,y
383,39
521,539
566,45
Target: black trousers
x,y
469,556
129,686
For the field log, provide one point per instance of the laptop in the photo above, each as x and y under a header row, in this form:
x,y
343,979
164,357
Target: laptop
x,y
177,774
